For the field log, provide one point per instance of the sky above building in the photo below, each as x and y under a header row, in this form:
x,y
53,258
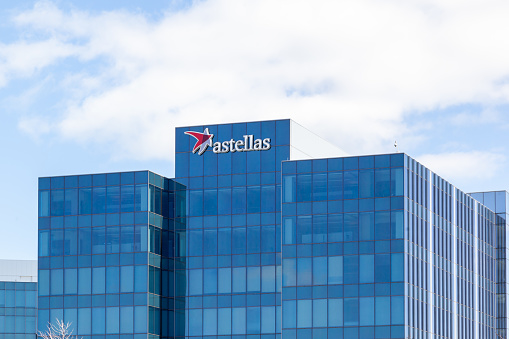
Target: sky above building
x,y
99,86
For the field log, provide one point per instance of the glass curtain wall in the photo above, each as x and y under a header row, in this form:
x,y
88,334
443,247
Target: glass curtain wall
x,y
18,310
343,248
233,232
101,259
498,202
380,247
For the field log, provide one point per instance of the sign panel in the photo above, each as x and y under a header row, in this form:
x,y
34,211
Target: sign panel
x,y
247,144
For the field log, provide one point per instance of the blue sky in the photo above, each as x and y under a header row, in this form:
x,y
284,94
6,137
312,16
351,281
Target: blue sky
x,y
99,86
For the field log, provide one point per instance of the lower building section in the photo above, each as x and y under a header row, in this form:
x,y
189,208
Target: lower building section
x,y
18,299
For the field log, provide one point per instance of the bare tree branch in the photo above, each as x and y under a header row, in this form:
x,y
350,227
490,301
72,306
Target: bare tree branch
x,y
60,330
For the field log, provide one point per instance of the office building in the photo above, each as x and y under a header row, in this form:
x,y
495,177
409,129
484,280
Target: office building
x,y
267,231
18,299
102,263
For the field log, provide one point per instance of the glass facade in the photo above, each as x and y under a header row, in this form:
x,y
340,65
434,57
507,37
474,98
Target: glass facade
x,y
108,249
498,202
248,243
233,231
380,247
18,310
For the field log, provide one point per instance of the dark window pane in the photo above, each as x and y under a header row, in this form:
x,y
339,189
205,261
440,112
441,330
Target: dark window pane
x,y
98,200
57,202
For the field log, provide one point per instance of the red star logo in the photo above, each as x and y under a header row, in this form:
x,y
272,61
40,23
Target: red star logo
x,y
204,140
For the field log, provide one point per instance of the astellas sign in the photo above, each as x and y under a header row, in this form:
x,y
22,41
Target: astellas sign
x,y
247,144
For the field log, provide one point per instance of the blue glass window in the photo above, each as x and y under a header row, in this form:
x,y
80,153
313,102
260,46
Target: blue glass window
x,y
335,270
289,188
319,228
335,231
210,202
224,280
98,200
366,180
238,320
209,321
304,313
289,272
304,187
224,326
44,243
351,316
85,200
195,282
239,240
57,282
98,280
397,310
57,242
367,226
382,267
71,281
397,267
351,226
351,185
367,271
71,202
320,270
382,182
141,198
224,241
304,230
112,320
268,202
289,314
320,313
210,281
113,199
268,239
112,279
253,239
367,311
84,280
239,279
99,320
239,200
84,321
335,186
44,203
224,201
57,202
335,312
382,310
351,269
397,181
71,242
268,317
319,186
382,225
304,272
397,222
268,279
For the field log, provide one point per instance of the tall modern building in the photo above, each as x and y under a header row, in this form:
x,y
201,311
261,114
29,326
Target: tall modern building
x,y
18,299
267,232
498,202
109,247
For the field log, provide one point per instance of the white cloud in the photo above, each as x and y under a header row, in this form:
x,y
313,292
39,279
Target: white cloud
x,y
468,170
360,66
487,116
